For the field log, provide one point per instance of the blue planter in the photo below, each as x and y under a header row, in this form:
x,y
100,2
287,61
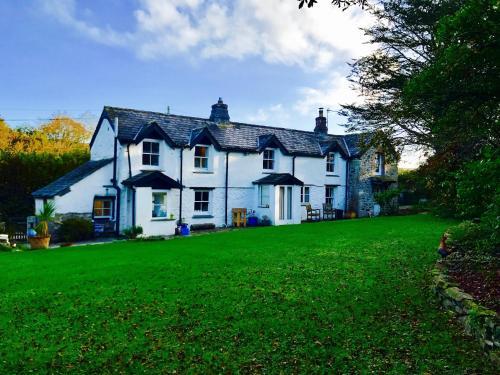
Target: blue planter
x,y
184,230
253,221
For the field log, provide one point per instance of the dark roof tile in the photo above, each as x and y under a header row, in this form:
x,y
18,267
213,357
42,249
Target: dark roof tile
x,y
229,135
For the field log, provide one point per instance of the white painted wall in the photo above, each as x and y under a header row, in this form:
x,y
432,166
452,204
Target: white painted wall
x,y
102,148
244,168
80,198
153,226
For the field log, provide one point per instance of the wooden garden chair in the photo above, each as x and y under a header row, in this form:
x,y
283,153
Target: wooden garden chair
x,y
328,211
312,213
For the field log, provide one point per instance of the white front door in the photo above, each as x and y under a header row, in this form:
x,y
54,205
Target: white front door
x,y
285,205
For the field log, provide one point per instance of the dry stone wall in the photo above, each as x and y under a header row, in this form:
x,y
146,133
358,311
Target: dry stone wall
x,y
478,321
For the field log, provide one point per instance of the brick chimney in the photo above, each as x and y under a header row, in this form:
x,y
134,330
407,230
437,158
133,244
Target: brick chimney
x,y
321,127
219,112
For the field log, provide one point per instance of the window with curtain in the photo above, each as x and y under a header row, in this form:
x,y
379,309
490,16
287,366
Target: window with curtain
x,y
264,195
202,201
330,162
159,205
103,208
201,157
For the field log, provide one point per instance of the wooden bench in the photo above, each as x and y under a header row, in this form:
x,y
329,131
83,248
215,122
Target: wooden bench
x,y
312,213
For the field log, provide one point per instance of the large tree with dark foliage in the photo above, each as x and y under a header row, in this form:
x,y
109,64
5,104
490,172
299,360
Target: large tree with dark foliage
x,y
433,82
340,3
405,33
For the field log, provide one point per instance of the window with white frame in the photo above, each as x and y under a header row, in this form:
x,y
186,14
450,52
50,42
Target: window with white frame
x,y
268,159
201,157
159,203
304,194
264,195
380,164
103,208
202,201
150,153
329,194
330,162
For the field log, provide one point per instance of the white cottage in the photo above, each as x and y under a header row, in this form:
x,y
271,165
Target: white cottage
x,y
154,169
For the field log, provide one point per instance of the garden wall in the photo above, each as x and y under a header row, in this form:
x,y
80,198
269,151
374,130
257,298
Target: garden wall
x,y
478,321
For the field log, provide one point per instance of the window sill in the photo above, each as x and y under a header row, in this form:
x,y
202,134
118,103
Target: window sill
x,y
332,175
203,172
264,206
305,204
202,216
268,171
162,219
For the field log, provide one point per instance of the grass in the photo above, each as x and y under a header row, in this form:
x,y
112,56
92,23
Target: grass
x,y
343,297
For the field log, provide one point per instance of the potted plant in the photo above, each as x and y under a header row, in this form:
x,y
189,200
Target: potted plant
x,y
45,216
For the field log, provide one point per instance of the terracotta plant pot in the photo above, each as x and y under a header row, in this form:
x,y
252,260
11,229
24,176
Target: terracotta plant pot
x,y
39,242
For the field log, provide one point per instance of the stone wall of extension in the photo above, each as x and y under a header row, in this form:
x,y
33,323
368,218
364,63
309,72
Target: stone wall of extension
x,y
360,195
478,321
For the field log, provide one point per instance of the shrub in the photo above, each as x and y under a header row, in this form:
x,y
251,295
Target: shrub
x,y
76,229
477,185
265,221
4,247
476,237
133,232
386,200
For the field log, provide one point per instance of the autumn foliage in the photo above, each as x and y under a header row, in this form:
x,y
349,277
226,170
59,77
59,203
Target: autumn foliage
x,y
33,157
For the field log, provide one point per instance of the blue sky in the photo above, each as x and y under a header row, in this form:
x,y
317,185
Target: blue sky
x,y
271,63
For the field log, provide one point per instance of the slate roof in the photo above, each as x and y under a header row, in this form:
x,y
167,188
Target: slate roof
x,y
279,179
230,136
62,185
154,179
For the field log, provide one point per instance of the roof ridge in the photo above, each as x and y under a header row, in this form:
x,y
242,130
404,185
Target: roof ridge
x,y
230,122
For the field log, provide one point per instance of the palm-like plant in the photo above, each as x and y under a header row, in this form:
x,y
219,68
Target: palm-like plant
x,y
45,215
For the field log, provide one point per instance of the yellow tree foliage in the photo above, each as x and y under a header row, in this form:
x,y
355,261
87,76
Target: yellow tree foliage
x,y
58,136
4,135
65,134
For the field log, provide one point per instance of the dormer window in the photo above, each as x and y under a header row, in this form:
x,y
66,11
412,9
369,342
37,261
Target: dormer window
x,y
380,164
201,157
150,153
268,159
330,162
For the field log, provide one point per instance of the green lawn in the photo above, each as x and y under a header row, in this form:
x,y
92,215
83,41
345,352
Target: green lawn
x,y
343,297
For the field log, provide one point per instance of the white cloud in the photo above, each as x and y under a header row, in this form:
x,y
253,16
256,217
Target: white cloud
x,y
333,91
275,115
276,31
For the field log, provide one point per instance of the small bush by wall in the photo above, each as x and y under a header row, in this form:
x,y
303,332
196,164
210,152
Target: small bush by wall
x,y
75,229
